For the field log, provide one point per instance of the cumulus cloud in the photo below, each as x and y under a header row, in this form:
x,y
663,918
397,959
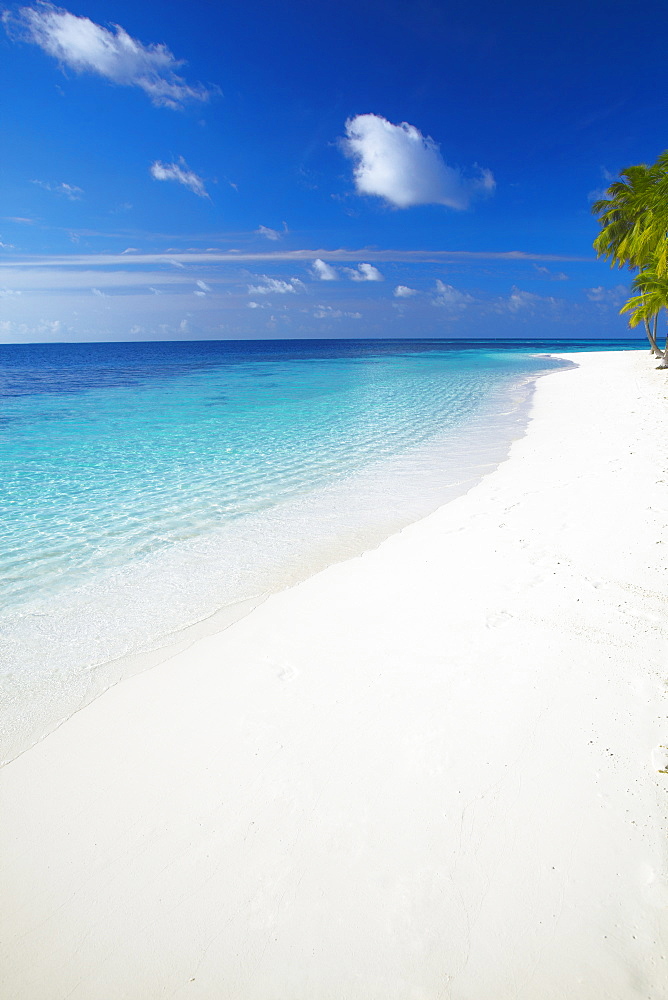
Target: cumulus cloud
x,y
70,191
181,173
363,272
399,164
272,285
404,292
451,297
323,271
271,234
87,47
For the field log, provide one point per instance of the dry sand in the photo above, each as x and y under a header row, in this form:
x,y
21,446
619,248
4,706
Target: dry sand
x,y
430,772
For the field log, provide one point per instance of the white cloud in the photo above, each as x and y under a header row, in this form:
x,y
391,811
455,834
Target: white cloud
x,y
552,275
399,164
70,191
271,234
202,285
100,294
5,293
323,271
451,297
363,272
608,296
180,173
86,47
404,292
519,300
328,312
6,246
271,285
42,327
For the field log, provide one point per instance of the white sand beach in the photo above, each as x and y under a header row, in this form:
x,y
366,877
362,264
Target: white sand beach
x,y
434,771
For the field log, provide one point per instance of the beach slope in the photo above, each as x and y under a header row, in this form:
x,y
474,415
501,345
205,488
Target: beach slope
x,y
434,771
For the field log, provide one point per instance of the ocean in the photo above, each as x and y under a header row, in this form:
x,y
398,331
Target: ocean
x,y
153,492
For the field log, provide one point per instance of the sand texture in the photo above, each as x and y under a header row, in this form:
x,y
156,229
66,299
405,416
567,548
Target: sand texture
x,y
434,771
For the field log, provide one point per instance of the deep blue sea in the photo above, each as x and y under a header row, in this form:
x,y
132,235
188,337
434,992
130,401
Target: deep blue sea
x,y
146,489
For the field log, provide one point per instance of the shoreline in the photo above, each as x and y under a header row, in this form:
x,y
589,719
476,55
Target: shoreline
x,y
369,517
431,771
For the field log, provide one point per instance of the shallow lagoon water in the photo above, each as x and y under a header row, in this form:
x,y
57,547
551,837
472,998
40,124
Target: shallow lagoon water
x,y
148,489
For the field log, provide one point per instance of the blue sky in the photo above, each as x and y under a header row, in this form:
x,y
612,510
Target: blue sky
x,y
339,169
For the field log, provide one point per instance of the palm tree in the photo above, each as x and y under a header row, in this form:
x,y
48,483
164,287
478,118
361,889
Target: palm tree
x,y
634,226
621,215
652,297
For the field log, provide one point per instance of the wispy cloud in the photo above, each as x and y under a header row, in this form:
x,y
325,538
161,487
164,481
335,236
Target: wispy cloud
x,y
551,275
275,285
608,296
181,173
328,312
404,292
519,300
323,271
87,47
399,164
70,191
271,234
180,258
363,272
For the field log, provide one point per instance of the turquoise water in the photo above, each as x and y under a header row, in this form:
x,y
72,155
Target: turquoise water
x,y
149,487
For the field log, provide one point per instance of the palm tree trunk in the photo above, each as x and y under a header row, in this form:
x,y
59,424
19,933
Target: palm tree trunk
x,y
651,336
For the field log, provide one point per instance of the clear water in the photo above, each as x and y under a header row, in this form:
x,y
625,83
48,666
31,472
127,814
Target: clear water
x,y
145,488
